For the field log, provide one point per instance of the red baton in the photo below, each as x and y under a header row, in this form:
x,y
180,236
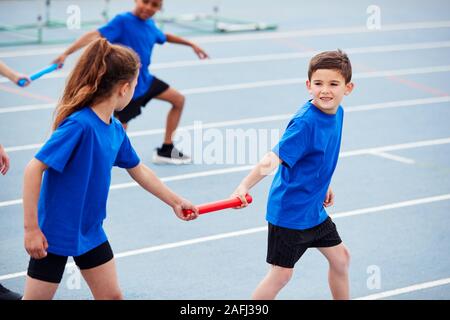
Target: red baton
x,y
219,205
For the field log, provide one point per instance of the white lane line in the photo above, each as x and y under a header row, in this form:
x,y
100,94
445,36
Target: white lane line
x,y
31,107
180,177
274,57
394,157
191,242
25,147
299,55
10,203
260,84
246,121
326,32
186,176
194,175
403,146
240,233
416,287
366,107
398,104
295,81
267,35
396,205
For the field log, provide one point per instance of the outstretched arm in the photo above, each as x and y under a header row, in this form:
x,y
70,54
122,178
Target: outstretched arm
x,y
83,41
12,75
147,179
264,168
178,40
35,241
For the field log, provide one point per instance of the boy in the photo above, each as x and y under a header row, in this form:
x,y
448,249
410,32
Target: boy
x,y
308,152
138,31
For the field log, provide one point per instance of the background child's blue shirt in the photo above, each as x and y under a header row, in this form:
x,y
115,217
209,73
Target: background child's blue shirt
x,y
309,149
80,155
140,35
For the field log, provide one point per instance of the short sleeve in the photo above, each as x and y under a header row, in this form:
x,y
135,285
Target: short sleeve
x,y
57,151
126,157
160,36
294,143
112,30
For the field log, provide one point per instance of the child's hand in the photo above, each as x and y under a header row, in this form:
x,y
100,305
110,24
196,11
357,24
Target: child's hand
x,y
60,60
4,161
329,198
240,193
200,52
178,209
36,243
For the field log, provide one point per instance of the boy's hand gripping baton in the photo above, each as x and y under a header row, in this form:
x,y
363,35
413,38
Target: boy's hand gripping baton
x,y
219,205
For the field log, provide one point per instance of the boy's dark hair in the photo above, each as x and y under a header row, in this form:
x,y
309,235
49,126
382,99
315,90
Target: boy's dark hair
x,y
335,60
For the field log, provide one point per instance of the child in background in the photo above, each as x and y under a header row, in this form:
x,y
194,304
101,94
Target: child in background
x,y
308,153
138,31
64,212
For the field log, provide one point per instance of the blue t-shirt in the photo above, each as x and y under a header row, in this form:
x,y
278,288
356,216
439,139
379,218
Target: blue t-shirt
x,y
80,155
309,149
140,35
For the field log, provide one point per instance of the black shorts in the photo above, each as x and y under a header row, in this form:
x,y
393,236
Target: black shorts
x,y
285,246
51,268
133,109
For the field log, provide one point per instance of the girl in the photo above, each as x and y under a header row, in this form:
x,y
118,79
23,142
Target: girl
x,y
64,217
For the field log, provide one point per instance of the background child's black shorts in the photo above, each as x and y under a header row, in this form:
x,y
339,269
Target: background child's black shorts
x,y
133,109
51,268
285,246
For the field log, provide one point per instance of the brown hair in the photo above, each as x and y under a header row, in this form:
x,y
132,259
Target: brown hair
x,y
335,60
98,70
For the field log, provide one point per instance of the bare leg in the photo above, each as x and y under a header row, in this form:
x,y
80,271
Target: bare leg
x,y
274,281
39,290
103,282
339,260
176,99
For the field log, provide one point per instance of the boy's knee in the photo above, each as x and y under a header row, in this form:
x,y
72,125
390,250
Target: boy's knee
x,y
342,262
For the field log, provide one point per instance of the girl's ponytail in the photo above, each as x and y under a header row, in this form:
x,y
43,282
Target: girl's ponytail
x,y
98,70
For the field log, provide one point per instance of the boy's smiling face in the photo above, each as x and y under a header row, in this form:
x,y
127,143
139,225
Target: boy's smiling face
x,y
328,87
145,9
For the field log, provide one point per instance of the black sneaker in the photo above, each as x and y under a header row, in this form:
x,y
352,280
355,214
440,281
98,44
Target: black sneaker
x,y
168,154
6,294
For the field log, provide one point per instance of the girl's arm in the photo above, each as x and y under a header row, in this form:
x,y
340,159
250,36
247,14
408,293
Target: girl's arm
x,y
35,241
83,41
264,168
178,40
147,179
